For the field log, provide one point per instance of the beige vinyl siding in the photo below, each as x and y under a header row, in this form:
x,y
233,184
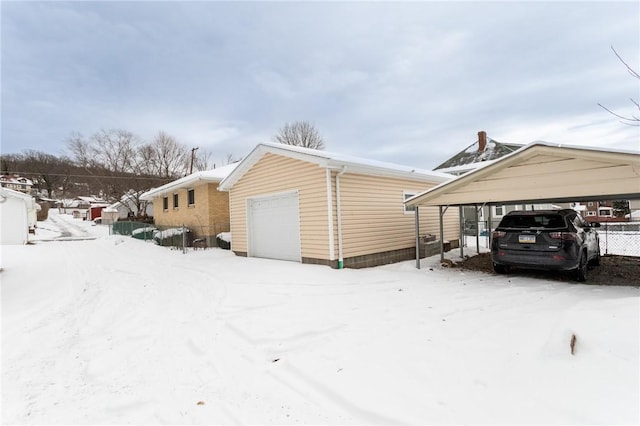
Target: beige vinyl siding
x,y
274,174
374,219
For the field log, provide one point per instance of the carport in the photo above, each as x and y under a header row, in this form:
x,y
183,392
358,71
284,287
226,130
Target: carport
x,y
537,173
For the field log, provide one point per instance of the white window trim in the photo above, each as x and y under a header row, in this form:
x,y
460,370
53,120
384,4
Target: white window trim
x,y
408,194
173,201
191,205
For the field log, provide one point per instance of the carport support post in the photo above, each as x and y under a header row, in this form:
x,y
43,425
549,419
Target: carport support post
x,y
417,237
441,213
462,237
475,207
489,228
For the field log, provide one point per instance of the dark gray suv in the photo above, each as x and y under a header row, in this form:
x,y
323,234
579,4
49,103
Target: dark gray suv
x,y
546,239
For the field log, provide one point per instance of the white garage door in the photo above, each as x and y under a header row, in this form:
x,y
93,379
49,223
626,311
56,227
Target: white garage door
x,y
274,227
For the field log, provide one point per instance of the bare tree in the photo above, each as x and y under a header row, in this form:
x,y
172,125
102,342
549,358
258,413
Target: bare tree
x,y
52,173
633,119
300,133
230,159
111,162
115,149
49,173
164,157
81,150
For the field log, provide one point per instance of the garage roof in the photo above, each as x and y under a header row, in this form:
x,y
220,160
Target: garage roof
x,y
542,172
331,161
10,193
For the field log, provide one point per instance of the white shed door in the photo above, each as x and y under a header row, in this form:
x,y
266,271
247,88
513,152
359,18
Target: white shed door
x,y
274,227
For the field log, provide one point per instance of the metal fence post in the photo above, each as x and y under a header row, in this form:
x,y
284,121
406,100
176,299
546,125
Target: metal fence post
x,y
184,241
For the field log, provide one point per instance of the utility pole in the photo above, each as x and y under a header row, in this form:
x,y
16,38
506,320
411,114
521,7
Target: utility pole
x,y
193,154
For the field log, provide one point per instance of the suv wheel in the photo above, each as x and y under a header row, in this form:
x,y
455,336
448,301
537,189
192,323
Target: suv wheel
x,y
581,270
500,269
596,259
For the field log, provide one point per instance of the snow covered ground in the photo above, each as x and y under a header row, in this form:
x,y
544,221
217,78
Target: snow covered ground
x,y
119,331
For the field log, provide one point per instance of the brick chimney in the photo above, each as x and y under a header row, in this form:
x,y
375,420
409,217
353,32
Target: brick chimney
x,y
482,141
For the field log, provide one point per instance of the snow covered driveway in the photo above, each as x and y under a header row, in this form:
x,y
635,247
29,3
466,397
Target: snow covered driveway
x,y
116,330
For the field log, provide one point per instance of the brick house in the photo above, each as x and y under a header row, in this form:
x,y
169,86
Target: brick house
x,y
601,211
195,202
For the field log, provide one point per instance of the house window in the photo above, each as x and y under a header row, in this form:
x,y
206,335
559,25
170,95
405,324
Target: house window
x,y
191,197
499,210
591,213
175,201
405,196
590,204
165,203
604,212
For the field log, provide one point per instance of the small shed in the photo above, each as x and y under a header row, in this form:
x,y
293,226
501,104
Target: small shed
x,y
109,216
95,211
17,216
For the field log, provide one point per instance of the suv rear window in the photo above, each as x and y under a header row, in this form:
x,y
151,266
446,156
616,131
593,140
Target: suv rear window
x,y
532,221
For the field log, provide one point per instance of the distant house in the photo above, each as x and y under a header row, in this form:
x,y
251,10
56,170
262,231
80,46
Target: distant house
x,y
634,207
311,206
16,183
80,207
599,211
603,211
128,206
482,153
195,202
17,216
477,154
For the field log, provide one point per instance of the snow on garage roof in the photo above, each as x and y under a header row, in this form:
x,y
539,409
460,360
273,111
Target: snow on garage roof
x,y
332,161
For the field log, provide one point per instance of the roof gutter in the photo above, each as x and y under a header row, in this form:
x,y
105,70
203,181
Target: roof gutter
x,y
169,187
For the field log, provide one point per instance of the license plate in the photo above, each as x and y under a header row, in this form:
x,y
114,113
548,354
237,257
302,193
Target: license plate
x,y
527,239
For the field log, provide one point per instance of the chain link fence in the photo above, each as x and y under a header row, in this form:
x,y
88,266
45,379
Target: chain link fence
x,y
179,237
621,238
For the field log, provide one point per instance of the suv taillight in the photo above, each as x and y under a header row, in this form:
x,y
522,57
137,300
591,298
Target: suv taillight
x,y
498,234
565,236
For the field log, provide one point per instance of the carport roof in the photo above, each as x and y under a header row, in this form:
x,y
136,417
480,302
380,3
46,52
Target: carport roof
x,y
542,172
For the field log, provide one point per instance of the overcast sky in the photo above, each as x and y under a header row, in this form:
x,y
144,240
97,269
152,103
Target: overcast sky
x,y
410,83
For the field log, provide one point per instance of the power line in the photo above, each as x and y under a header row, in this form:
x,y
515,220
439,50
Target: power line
x,y
93,176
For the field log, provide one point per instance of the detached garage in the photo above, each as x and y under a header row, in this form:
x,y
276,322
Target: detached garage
x,y
311,206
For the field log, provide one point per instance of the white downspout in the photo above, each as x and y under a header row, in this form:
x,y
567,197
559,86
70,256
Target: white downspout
x,y
339,214
332,249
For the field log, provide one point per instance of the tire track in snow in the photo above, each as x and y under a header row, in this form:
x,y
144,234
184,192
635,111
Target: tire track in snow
x,y
68,231
303,384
